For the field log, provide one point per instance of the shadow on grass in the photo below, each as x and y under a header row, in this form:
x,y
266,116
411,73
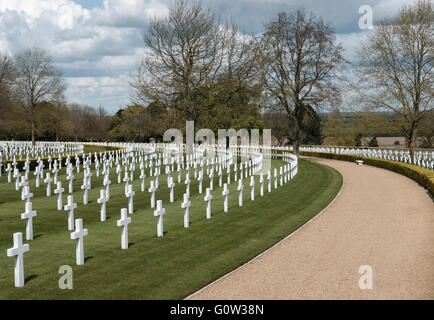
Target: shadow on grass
x,y
87,258
29,278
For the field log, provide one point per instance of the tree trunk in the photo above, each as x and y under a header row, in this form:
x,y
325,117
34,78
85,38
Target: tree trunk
x,y
33,132
296,143
296,147
411,146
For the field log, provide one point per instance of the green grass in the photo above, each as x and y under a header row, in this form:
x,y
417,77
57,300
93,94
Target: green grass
x,y
172,267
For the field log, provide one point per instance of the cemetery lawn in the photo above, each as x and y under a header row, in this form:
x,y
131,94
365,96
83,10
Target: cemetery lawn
x,y
172,267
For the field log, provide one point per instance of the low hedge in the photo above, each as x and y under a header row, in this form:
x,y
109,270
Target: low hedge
x,y
103,147
422,176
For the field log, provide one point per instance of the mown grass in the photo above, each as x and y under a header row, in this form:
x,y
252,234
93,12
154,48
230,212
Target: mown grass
x,y
172,267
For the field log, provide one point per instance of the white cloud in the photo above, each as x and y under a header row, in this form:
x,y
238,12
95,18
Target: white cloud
x,y
98,49
388,7
350,42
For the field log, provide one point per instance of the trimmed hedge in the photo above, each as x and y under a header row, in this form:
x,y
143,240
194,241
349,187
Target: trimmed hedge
x,y
422,176
106,148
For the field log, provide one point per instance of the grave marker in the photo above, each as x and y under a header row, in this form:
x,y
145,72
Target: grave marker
x,y
78,236
17,251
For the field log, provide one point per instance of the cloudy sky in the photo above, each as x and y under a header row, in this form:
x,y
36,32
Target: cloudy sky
x,y
97,44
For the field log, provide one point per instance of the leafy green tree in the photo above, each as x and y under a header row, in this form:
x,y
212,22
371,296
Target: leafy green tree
x,y
358,140
373,142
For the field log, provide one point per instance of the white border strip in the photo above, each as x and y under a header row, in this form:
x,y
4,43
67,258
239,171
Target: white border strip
x,y
274,245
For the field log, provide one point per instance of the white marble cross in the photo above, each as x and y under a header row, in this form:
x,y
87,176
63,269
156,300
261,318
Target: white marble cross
x,y
252,190
59,192
157,174
275,178
142,178
106,183
126,179
240,192
103,199
151,163
159,213
179,173
9,171
88,177
70,179
200,180
119,173
97,168
17,251
26,169
187,183
261,183
208,198
225,194
77,164
246,171
37,174
78,236
152,190
130,195
269,180
220,177
281,176
185,205
48,181
29,214
86,188
167,170
211,179
229,174
123,222
55,171
22,185
26,195
172,189
70,206
17,176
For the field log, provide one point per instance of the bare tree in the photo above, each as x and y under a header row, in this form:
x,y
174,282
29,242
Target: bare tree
x,y
187,53
301,63
37,80
7,76
396,67
183,52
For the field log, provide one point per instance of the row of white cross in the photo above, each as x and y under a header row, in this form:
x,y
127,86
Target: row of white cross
x,y
79,233
424,159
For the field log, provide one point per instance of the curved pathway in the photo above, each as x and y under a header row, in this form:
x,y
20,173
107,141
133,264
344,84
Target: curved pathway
x,y
380,218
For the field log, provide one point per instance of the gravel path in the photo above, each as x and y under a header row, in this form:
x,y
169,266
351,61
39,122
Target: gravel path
x,y
381,219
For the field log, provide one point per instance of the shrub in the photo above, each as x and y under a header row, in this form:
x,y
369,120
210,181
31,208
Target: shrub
x,y
373,142
422,176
